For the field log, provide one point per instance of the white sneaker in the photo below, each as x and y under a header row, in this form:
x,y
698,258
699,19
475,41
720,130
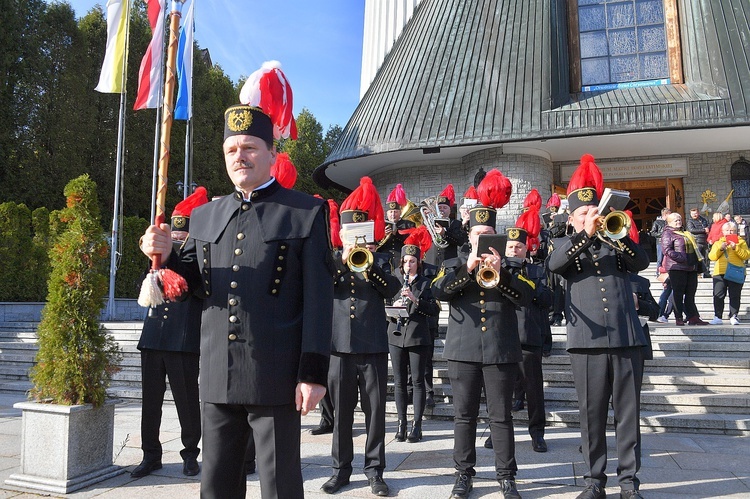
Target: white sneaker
x,y
662,319
734,320
716,321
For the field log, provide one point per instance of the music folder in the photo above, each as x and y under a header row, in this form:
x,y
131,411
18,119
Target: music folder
x,y
613,198
396,312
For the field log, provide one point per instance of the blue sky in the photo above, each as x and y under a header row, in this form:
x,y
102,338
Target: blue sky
x,y
319,44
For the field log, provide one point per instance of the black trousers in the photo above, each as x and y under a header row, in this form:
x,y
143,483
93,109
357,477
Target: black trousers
x,y
599,374
532,383
466,380
402,360
276,432
684,286
721,286
326,409
182,370
369,374
428,364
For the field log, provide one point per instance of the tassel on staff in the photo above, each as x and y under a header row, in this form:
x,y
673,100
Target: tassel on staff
x,y
164,283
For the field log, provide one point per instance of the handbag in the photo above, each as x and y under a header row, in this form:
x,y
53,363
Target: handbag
x,y
734,273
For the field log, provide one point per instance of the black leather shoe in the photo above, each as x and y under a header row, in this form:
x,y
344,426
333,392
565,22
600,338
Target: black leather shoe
x,y
250,468
401,430
556,323
509,490
334,484
378,486
190,467
592,492
322,429
630,494
538,444
429,401
488,443
462,487
415,435
145,468
517,406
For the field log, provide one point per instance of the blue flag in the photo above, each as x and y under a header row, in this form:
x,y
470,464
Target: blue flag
x,y
184,107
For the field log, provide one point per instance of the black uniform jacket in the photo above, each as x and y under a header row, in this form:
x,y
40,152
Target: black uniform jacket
x,y
415,329
533,321
482,326
175,326
598,295
264,267
647,307
359,321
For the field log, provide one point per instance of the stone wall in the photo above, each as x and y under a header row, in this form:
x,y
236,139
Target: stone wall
x,y
125,310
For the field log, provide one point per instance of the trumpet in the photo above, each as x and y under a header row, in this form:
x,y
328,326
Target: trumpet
x,y
613,227
487,276
360,259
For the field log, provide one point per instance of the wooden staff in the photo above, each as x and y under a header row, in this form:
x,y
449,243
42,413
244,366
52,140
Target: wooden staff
x,y
172,284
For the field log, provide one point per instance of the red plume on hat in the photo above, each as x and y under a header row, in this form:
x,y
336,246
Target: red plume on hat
x,y
529,221
471,193
334,223
185,207
366,198
494,190
554,200
633,234
533,199
587,175
449,194
421,238
398,194
268,89
284,171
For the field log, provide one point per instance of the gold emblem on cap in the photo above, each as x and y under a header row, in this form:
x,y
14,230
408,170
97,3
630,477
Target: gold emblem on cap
x,y
513,233
585,195
358,216
482,216
411,249
239,119
179,222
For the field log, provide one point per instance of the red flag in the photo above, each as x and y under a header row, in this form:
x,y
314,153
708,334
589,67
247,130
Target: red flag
x,y
150,76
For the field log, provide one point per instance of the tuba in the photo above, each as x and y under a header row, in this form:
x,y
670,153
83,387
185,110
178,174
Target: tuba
x,y
410,212
428,209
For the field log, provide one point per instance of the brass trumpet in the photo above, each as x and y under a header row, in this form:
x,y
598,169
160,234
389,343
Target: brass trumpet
x,y
487,276
613,227
360,259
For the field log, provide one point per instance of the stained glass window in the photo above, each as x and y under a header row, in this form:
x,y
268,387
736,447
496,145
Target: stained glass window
x,y
622,41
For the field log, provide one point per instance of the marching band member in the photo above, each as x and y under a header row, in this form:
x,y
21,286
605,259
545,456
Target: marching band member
x,y
604,341
454,234
396,228
482,344
359,348
410,340
262,260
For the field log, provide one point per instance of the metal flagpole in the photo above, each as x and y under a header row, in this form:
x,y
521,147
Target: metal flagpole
x,y
157,132
115,236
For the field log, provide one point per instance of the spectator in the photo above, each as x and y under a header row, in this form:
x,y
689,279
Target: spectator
x,y
741,225
682,260
732,249
656,230
698,227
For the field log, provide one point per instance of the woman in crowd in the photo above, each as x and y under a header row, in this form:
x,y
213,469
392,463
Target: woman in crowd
x,y
409,337
732,249
682,261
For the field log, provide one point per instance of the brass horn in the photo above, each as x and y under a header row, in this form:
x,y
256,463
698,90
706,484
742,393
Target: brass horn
x,y
360,259
613,227
487,276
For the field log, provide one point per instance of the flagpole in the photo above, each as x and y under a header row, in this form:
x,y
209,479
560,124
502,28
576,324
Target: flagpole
x,y
157,131
186,190
115,236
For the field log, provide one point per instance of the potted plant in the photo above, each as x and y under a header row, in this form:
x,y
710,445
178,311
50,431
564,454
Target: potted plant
x,y
67,428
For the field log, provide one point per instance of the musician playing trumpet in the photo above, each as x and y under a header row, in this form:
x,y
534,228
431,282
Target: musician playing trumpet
x,y
482,345
359,345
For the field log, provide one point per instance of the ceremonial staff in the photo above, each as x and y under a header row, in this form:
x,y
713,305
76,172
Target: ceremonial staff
x,y
164,283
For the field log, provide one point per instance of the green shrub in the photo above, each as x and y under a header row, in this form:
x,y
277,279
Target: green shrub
x,y
76,358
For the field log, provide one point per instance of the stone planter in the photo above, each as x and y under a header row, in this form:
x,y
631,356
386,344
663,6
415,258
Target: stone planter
x,y
65,448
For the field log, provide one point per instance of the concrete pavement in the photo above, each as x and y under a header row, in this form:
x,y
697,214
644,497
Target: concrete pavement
x,y
674,465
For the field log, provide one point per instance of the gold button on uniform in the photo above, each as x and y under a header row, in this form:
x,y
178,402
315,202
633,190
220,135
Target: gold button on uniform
x,y
232,337
245,207
233,284
352,316
484,328
236,268
238,251
232,301
240,236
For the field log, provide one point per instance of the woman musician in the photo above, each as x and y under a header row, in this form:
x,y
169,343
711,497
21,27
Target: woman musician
x,y
409,338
